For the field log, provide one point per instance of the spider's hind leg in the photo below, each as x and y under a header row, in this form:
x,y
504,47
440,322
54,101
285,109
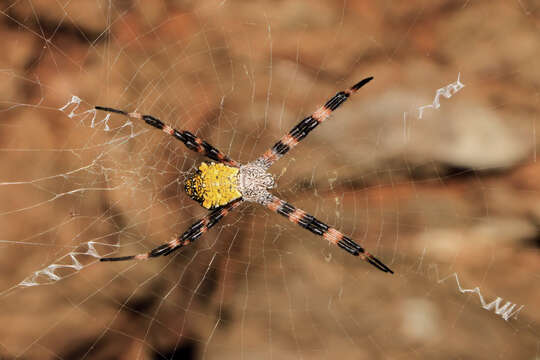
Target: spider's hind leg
x,y
191,141
161,250
193,233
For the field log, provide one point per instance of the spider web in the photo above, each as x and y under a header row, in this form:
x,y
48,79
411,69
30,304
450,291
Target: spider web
x,y
432,167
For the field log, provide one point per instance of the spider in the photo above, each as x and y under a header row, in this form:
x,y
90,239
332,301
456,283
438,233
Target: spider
x,y
223,186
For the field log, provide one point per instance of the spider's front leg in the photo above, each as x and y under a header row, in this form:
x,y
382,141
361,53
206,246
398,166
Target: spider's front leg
x,y
190,235
317,227
191,141
304,127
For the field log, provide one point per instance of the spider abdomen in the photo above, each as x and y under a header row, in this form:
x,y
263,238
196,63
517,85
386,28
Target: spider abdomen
x,y
213,185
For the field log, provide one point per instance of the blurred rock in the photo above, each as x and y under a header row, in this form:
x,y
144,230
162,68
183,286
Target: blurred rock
x,y
420,320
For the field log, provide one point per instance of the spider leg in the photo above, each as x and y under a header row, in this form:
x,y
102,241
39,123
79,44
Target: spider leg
x,y
190,235
317,227
304,127
191,141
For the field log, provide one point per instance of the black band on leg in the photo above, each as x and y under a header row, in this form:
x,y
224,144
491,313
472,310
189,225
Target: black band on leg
x,y
110,110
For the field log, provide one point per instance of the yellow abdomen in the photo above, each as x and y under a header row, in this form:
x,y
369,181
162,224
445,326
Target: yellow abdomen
x,y
213,185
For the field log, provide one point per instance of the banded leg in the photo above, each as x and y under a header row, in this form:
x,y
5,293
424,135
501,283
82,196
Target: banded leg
x,y
191,141
190,235
304,127
317,227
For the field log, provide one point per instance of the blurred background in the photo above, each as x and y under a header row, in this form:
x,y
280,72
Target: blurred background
x,y
447,195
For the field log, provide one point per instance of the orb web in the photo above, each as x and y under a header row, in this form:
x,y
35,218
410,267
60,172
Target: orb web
x,y
431,167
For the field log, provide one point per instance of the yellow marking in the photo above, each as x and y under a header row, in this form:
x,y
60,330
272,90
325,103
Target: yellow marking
x,y
214,185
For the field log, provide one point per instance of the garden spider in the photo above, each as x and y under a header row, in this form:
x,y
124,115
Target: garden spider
x,y
223,186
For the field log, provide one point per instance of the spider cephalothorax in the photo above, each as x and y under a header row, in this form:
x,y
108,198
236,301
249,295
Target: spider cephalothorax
x,y
254,181
224,185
